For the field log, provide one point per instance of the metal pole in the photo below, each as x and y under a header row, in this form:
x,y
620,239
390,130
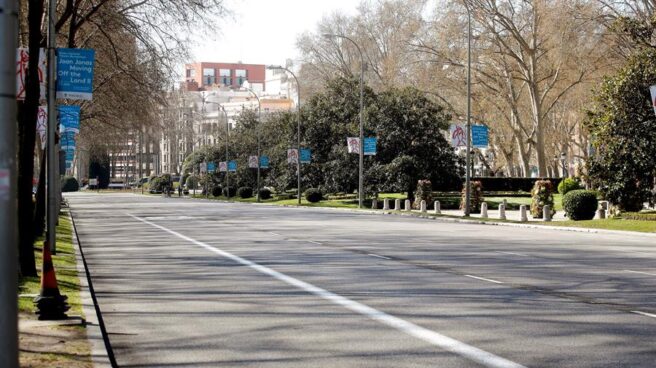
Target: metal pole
x,y
468,170
8,176
227,160
51,163
259,121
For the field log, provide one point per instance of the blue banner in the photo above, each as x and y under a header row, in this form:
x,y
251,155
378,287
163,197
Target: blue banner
x,y
67,140
479,136
69,118
264,162
306,156
232,166
370,146
75,73
211,167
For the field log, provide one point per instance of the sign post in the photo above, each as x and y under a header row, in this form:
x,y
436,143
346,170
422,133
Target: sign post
x,y
370,145
480,136
306,155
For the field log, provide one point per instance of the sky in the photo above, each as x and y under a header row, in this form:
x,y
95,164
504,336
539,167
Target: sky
x,y
265,31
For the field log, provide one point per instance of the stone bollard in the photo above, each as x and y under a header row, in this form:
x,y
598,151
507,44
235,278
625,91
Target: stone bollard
x,y
601,214
546,213
505,203
484,210
422,206
408,205
522,213
502,211
386,204
374,204
437,208
397,205
603,205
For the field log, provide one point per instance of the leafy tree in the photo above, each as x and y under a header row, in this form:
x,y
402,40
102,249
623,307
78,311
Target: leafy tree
x,y
623,133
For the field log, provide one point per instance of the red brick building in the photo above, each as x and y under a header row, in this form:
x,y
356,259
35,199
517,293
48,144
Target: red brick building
x,y
203,76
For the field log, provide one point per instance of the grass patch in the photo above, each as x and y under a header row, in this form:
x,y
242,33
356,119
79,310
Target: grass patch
x,y
610,224
65,267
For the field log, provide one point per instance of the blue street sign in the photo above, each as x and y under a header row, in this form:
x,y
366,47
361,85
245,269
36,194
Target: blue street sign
x,y
370,146
264,162
306,156
211,167
232,166
479,136
69,118
75,73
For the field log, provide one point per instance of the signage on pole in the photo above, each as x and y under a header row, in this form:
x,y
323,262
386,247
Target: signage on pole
x,y
370,146
22,60
223,166
93,182
264,162
211,167
652,89
480,136
292,156
75,73
306,155
458,135
67,140
203,168
5,184
42,124
353,144
232,166
252,162
69,118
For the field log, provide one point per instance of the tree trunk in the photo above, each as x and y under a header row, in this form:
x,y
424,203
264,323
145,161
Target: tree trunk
x,y
40,211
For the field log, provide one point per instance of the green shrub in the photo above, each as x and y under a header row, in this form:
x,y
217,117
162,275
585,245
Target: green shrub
x,y
184,177
69,184
216,191
265,193
580,204
245,192
155,185
229,191
192,182
542,195
424,192
568,184
313,195
475,199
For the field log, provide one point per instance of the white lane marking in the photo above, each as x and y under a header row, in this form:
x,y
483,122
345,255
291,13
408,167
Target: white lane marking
x,y
483,279
467,351
513,253
270,232
315,242
377,255
644,314
640,272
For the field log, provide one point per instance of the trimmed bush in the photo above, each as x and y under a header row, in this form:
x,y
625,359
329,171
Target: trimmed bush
x,y
580,204
542,195
232,191
640,216
245,192
265,193
503,184
568,184
69,184
313,195
475,199
216,191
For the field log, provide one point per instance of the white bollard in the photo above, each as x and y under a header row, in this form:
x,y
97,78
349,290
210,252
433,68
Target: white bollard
x,y
408,205
522,213
386,204
422,206
397,205
374,204
484,210
505,203
437,208
502,211
601,214
546,213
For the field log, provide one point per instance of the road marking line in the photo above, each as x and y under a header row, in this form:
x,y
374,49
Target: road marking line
x,y
270,232
379,256
640,272
483,279
513,253
315,242
644,314
447,343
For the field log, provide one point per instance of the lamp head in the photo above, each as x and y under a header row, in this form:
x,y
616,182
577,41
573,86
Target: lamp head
x,y
274,67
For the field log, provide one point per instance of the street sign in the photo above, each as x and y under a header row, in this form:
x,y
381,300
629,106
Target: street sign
x,y
211,167
69,118
264,162
93,182
75,73
232,166
306,156
353,144
223,166
480,136
292,156
458,135
203,168
370,146
252,162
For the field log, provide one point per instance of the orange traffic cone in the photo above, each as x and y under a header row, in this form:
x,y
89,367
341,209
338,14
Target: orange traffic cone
x,y
50,303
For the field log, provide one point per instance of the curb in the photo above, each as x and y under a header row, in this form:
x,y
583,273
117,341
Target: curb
x,y
95,328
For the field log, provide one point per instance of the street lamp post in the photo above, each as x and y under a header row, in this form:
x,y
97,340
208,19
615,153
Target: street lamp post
x,y
563,158
298,127
361,153
227,143
259,121
468,170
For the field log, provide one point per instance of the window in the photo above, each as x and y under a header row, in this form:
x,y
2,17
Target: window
x,y
241,76
224,77
191,73
208,76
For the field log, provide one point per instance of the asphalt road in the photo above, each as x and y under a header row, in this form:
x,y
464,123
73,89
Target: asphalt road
x,y
206,284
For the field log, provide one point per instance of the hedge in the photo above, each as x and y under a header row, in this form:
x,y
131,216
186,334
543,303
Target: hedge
x,y
580,204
